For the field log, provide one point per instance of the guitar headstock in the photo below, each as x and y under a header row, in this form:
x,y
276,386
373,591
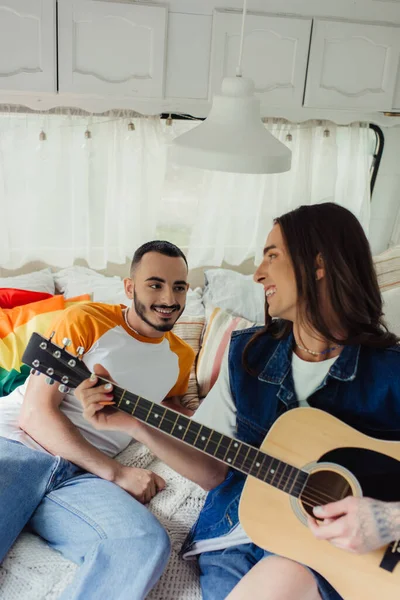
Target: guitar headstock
x,y
54,361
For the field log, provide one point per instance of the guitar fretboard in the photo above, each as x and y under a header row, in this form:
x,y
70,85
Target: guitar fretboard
x,y
239,455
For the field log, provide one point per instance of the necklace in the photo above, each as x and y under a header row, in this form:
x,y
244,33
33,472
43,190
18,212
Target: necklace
x,y
314,353
125,312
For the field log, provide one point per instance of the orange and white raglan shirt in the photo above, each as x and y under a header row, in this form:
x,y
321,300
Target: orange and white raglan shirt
x,y
154,368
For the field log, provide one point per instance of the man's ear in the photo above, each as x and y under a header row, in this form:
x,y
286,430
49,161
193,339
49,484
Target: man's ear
x,y
129,287
320,267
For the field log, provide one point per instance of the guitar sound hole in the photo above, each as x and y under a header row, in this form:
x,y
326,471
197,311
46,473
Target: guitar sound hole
x,y
323,487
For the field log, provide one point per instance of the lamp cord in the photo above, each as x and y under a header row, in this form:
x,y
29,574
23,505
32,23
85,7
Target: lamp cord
x,y
239,66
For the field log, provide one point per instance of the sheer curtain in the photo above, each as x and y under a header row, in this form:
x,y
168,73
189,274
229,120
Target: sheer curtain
x,y
89,190
95,188
227,216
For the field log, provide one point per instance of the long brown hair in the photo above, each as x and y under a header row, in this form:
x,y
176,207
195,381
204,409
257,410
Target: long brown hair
x,y
334,233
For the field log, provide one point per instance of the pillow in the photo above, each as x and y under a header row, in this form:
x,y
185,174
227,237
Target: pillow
x,y
74,281
16,327
194,304
190,330
234,292
11,297
391,309
387,265
38,281
220,325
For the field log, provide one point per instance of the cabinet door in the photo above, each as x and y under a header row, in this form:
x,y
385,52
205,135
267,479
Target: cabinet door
x,y
352,65
275,51
396,101
28,45
111,48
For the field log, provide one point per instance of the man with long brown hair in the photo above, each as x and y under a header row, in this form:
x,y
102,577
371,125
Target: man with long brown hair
x,y
324,345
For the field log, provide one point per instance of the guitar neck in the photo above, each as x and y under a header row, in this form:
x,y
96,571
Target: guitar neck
x,y
230,451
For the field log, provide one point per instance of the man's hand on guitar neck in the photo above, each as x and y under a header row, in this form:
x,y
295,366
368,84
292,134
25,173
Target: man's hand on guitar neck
x,y
95,399
358,525
97,404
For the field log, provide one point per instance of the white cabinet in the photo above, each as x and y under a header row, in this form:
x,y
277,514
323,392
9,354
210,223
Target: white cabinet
x,y
111,48
188,55
28,45
275,51
352,65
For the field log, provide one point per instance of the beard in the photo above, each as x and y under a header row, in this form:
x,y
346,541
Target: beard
x,y
141,311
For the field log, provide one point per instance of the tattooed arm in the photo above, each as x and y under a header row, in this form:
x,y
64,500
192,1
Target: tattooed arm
x,y
357,524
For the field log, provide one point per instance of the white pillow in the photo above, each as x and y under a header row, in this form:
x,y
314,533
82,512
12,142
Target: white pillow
x,y
38,281
194,304
236,293
391,309
74,281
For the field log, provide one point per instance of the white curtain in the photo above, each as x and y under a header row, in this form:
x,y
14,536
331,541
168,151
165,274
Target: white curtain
x,y
96,189
74,194
227,216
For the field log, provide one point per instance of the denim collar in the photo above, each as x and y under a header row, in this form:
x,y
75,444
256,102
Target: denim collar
x,y
279,364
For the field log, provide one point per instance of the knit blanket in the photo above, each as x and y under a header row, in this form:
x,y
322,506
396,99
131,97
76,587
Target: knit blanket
x,y
33,571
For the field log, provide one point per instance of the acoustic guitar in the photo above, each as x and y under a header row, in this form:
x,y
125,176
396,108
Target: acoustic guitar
x,y
308,458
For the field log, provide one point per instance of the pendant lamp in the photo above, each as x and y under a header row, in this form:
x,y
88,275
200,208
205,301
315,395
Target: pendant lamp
x,y
232,138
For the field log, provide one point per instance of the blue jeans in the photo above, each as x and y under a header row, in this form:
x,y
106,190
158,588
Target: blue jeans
x,y
120,546
221,570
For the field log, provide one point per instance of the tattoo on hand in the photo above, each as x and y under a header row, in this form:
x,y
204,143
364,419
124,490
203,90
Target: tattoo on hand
x,y
387,520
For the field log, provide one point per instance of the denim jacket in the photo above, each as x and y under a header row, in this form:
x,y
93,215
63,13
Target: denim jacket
x,y
362,389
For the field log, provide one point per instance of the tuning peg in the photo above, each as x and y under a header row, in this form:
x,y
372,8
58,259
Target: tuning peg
x,y
80,352
53,333
66,341
64,389
33,371
49,381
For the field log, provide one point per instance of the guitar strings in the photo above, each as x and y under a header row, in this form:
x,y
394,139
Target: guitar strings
x,y
313,494
310,494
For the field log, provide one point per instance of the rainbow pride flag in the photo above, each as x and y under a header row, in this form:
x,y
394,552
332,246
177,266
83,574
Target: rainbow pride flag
x,y
16,327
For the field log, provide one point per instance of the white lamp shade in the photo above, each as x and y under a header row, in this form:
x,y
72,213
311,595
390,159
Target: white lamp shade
x,y
233,137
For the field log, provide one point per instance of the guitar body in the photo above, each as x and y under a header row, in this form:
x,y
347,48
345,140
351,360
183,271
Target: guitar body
x,y
339,459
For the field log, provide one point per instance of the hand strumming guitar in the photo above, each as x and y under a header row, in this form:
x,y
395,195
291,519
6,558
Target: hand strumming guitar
x,y
358,525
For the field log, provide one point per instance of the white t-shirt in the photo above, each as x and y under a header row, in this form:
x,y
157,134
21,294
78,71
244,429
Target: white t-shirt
x,y
218,411
154,368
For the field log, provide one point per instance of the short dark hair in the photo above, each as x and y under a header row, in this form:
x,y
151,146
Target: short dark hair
x,y
335,233
160,246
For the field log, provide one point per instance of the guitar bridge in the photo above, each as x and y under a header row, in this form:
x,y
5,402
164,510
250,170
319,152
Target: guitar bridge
x,y
391,557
